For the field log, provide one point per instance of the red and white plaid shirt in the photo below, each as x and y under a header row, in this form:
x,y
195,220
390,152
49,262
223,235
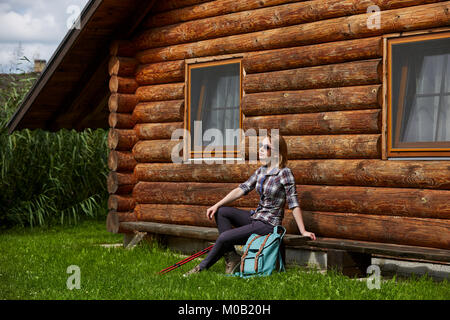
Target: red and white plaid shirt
x,y
274,188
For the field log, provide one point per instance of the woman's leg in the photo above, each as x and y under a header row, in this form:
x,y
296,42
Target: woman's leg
x,y
228,217
229,238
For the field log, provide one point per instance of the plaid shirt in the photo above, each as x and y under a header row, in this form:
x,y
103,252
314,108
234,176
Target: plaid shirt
x,y
274,188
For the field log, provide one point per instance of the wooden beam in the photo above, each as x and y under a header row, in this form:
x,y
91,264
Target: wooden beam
x,y
96,71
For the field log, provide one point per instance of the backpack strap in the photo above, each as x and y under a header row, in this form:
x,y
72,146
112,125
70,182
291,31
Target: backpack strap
x,y
280,258
279,227
259,252
246,253
281,265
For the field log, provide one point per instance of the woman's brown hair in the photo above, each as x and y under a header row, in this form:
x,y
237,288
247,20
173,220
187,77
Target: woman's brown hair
x,y
277,139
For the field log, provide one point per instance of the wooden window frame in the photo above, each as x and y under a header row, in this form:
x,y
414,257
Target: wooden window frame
x,y
190,64
407,151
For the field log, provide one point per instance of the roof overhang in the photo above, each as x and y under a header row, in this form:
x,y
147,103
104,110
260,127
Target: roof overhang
x,y
72,91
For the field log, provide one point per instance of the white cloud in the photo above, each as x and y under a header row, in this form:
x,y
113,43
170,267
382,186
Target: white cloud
x,y
37,24
25,27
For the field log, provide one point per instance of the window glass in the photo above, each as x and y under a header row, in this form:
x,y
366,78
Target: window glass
x,y
420,73
215,101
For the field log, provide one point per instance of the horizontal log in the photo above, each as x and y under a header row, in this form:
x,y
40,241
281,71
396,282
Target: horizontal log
x,y
159,111
192,232
337,122
171,91
177,214
120,183
312,100
337,172
255,20
299,147
405,202
353,73
229,24
334,146
121,120
350,27
121,139
176,172
205,10
194,193
398,230
122,84
421,203
154,131
124,103
155,150
114,219
121,161
313,55
122,48
162,6
122,66
123,203
161,72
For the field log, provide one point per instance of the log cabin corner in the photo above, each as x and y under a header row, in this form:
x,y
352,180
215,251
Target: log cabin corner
x,y
359,89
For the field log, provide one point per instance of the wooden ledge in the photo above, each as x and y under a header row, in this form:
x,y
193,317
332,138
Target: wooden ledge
x,y
195,232
211,234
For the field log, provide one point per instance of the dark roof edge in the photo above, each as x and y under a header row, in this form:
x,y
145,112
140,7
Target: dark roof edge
x,y
69,39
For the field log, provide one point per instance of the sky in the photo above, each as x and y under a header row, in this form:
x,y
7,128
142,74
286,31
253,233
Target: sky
x,y
37,26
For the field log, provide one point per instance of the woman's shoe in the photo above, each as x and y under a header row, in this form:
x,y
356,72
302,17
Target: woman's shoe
x,y
232,259
196,269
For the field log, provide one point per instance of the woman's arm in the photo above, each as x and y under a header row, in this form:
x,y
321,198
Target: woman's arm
x,y
301,226
234,194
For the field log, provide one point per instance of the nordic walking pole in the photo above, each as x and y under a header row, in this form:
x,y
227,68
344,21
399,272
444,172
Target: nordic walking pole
x,y
186,260
178,264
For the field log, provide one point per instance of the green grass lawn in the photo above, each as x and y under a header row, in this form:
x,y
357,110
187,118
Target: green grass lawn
x,y
33,265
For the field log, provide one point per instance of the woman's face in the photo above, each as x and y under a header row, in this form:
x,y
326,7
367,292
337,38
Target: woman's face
x,y
265,148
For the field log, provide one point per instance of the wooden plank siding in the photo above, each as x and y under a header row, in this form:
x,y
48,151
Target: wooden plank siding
x,y
313,69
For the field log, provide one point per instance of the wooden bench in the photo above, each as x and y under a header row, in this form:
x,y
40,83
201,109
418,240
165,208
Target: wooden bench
x,y
351,257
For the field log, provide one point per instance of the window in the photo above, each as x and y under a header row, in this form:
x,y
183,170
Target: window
x,y
419,95
213,113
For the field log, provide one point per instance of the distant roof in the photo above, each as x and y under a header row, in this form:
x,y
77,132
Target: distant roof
x,y
72,91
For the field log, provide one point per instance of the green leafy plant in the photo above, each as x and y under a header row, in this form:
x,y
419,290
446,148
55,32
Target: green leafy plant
x,y
48,177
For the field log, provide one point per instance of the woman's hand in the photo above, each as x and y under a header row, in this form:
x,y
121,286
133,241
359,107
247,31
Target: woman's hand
x,y
211,211
309,234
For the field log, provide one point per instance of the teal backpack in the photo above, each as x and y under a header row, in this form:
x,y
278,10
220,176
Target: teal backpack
x,y
261,253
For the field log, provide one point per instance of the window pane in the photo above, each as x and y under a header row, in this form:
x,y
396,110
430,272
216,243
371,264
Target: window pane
x,y
447,76
422,120
420,91
443,132
215,99
430,78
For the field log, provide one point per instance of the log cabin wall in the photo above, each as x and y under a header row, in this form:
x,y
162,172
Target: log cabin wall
x,y
314,70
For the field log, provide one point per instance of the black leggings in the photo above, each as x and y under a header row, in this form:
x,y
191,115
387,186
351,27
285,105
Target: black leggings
x,y
226,218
